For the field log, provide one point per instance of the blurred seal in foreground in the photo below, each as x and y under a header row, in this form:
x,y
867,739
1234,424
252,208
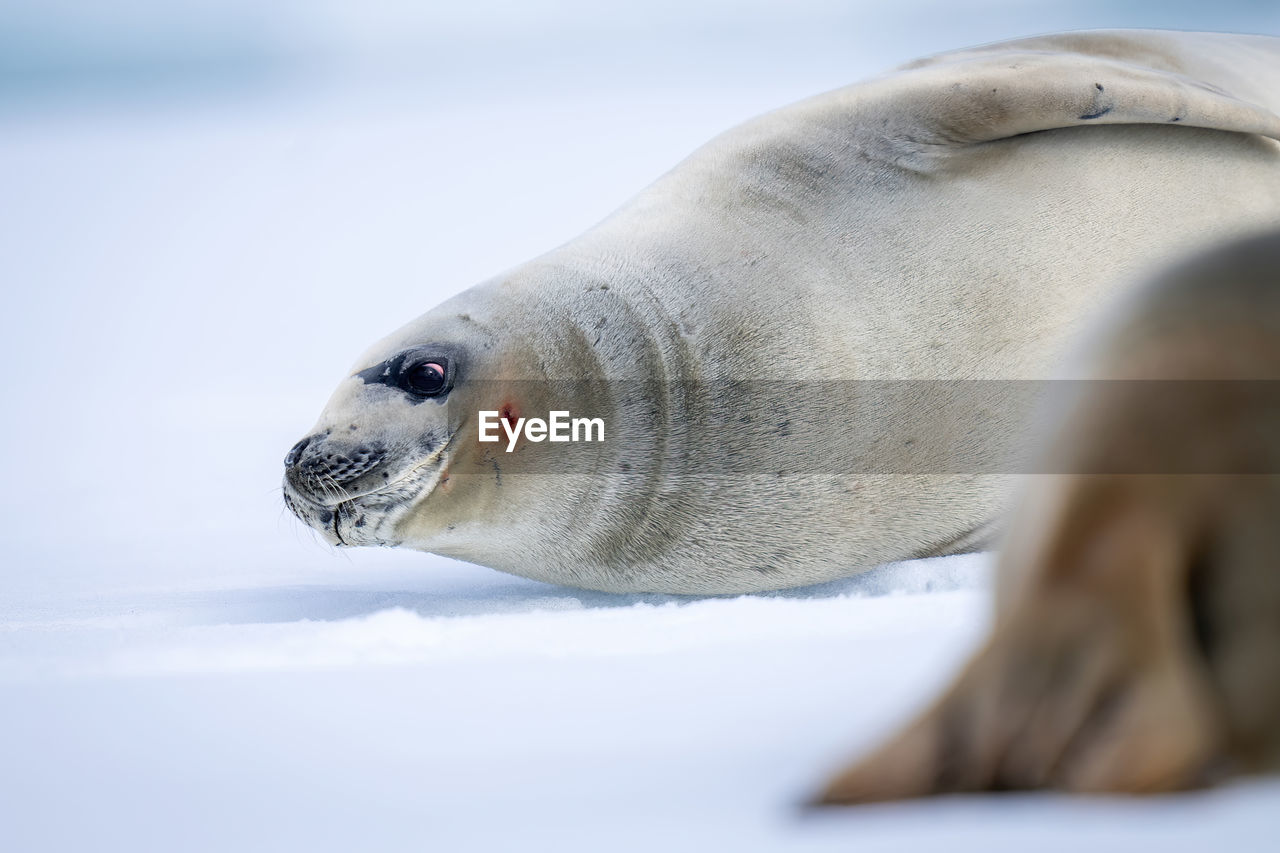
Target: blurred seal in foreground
x,y
1136,645
951,221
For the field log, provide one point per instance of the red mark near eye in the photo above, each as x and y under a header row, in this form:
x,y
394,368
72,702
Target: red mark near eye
x,y
509,414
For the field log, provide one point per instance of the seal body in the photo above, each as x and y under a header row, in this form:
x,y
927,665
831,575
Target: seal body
x,y
768,332
1137,638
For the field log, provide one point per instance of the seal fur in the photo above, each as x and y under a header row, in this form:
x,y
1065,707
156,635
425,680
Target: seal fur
x,y
951,221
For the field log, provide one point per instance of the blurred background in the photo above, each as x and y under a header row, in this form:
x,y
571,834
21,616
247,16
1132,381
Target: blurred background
x,y
208,210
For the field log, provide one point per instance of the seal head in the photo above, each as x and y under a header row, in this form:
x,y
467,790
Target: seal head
x,y
396,457
381,444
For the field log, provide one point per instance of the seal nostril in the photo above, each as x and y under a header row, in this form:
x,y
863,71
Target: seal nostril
x,y
295,452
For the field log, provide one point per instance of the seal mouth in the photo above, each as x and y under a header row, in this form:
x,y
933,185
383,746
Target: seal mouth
x,y
369,518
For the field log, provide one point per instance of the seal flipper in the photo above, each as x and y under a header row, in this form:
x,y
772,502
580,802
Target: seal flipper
x,y
1092,684
936,106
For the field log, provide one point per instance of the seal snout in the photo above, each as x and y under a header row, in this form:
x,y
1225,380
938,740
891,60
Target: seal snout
x,y
327,471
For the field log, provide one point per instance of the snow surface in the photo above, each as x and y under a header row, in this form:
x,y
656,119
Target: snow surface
x,y
187,274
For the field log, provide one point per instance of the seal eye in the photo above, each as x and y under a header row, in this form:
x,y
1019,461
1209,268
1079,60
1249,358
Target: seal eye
x,y
426,378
